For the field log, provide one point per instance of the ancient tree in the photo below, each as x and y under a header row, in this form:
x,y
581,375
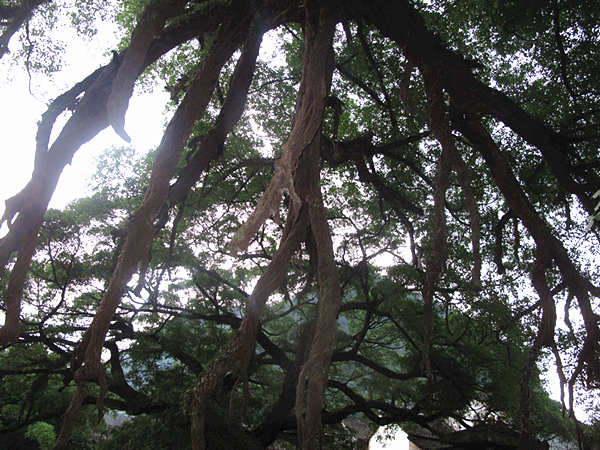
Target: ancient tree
x,y
420,217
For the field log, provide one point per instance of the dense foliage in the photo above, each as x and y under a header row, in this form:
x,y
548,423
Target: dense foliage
x,y
384,218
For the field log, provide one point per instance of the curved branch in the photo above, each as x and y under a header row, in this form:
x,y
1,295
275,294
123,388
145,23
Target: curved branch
x,y
149,25
351,356
16,16
346,73
388,103
516,200
140,230
394,414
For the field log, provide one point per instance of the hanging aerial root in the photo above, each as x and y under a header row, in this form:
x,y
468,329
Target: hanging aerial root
x,y
307,121
437,259
212,145
544,337
239,353
441,130
538,279
464,179
584,357
577,285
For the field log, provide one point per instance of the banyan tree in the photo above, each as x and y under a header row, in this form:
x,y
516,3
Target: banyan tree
x,y
384,208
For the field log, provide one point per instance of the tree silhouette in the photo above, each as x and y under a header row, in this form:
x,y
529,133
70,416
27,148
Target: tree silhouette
x,y
431,123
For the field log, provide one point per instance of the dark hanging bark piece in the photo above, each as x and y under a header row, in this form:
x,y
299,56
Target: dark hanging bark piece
x,y
465,182
499,244
150,25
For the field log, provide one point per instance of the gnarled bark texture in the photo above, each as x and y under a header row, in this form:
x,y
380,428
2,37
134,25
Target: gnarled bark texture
x,y
297,172
456,105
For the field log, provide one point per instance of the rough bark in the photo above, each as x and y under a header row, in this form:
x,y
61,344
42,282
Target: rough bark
x,y
140,227
589,356
31,203
12,297
298,169
319,29
447,76
303,133
291,176
314,375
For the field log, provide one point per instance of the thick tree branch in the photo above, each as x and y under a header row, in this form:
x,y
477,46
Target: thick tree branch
x,y
15,17
515,198
423,47
149,25
140,230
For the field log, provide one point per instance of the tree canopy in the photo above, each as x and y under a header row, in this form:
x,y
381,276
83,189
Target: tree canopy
x,y
367,211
